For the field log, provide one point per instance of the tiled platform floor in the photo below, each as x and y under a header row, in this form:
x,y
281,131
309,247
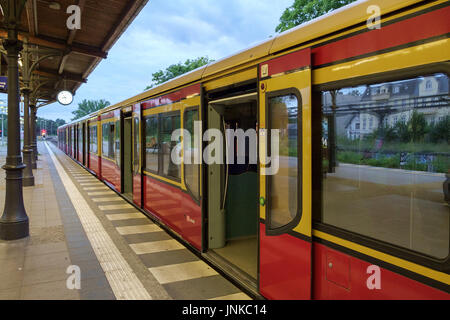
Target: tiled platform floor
x,y
75,220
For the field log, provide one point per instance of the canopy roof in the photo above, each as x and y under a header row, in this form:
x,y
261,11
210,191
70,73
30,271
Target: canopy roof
x,y
76,53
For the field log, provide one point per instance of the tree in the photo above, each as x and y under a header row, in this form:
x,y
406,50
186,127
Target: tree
x,y
60,122
417,126
440,132
304,10
88,106
176,70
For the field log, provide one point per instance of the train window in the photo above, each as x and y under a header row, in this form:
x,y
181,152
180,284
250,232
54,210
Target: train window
x,y
136,145
389,180
111,151
117,142
151,143
191,169
93,139
105,140
283,204
169,123
80,141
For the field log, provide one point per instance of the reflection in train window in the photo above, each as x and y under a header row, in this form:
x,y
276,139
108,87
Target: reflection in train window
x,y
117,143
136,145
283,201
169,123
93,139
151,143
105,140
191,168
385,161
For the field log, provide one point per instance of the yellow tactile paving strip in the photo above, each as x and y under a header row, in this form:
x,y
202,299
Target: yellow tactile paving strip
x,y
124,283
158,252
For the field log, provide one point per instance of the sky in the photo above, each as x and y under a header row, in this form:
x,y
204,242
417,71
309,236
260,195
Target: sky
x,y
170,31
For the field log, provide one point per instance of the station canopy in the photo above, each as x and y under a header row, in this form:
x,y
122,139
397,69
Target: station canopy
x,y
75,53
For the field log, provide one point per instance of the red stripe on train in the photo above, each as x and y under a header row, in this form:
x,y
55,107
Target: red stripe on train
x,y
422,27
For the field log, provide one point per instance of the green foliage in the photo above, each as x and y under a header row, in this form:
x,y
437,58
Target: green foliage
x,y
417,127
176,70
304,10
60,122
50,125
440,132
86,107
415,130
414,138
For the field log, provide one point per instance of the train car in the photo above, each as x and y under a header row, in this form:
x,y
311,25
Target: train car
x,y
348,116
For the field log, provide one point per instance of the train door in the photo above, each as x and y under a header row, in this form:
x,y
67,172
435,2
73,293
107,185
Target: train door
x,y
74,145
285,177
127,150
83,139
80,143
137,160
233,183
87,144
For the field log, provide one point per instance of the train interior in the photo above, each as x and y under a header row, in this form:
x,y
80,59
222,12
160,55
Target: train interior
x,y
127,158
233,187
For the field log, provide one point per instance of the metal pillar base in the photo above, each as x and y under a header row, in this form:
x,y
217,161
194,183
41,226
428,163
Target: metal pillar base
x,y
14,222
28,181
14,230
28,178
34,156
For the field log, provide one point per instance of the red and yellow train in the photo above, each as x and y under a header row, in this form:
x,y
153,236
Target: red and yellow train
x,y
359,206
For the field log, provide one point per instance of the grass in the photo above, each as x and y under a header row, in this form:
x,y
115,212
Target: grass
x,y
440,164
393,147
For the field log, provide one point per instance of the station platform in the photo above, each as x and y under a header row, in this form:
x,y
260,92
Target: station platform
x,y
77,223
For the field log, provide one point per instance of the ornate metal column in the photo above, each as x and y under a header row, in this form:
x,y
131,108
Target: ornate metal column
x,y
14,221
28,178
33,133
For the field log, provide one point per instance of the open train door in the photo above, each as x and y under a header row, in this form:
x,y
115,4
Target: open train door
x,y
285,184
137,155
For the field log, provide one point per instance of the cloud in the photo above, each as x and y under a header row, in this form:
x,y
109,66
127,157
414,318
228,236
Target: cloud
x,y
171,31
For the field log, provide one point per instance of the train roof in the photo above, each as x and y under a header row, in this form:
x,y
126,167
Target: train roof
x,y
342,18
